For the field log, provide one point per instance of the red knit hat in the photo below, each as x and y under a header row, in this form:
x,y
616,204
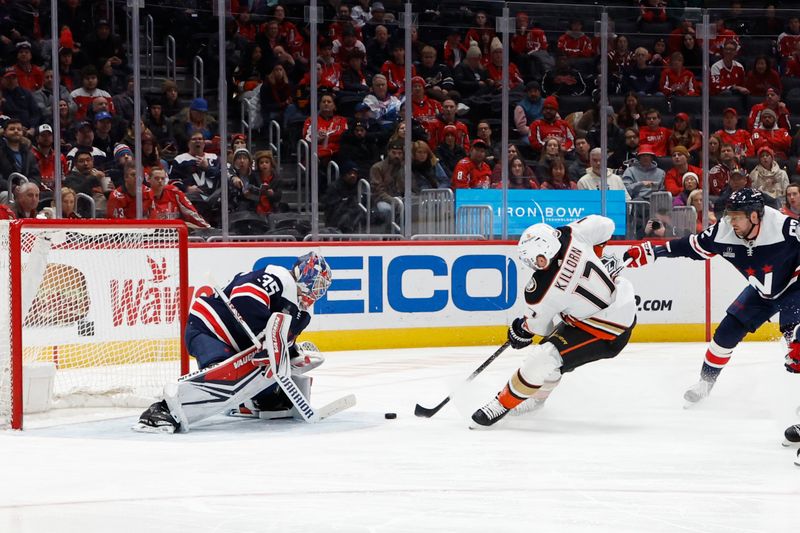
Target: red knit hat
x,y
550,101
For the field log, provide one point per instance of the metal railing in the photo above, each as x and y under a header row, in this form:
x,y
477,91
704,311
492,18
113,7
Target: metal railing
x,y
638,213
274,142
447,237
333,170
149,48
171,52
303,174
198,77
398,215
436,211
684,220
244,121
354,237
252,238
92,209
15,179
364,191
475,219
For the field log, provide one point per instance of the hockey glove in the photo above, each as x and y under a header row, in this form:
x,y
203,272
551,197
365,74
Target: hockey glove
x,y
518,336
792,363
639,255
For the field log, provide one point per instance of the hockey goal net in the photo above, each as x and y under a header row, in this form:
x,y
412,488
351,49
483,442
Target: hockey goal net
x,y
99,305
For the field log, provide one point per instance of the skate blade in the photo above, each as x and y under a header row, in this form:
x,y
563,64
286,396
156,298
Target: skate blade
x,y
144,428
790,444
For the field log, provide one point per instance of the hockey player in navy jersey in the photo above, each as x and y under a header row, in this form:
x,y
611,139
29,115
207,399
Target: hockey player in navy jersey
x,y
232,371
575,301
762,244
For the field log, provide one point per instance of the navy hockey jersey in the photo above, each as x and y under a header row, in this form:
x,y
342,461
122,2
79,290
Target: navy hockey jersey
x,y
770,262
256,295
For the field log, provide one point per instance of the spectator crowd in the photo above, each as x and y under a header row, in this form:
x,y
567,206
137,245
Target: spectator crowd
x,y
456,64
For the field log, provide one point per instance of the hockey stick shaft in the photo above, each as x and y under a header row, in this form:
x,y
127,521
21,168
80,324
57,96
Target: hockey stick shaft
x,y
285,383
427,412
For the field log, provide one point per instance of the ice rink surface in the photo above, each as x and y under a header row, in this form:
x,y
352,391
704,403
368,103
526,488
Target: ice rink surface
x,y
613,451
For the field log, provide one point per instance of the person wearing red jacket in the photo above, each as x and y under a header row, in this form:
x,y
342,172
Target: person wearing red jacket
x,y
170,203
792,67
769,134
424,109
771,101
330,128
717,45
762,77
551,126
453,50
524,41
495,68
673,181
788,40
654,134
45,156
676,80
575,43
730,134
30,76
472,172
720,174
122,201
447,117
288,31
727,75
395,70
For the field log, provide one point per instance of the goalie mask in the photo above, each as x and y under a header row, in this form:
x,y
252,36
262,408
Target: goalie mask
x,y
313,277
539,240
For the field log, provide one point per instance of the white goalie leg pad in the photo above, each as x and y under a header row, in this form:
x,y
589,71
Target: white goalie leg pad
x,y
276,343
304,384
215,389
542,365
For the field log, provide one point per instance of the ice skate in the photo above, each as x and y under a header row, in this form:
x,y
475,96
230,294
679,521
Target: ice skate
x,y
797,458
489,414
156,419
531,405
792,436
698,391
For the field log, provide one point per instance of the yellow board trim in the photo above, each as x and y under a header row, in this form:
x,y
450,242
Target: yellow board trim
x,y
381,339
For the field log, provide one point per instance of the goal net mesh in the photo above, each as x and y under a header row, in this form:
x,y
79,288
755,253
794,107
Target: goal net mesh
x,y
102,304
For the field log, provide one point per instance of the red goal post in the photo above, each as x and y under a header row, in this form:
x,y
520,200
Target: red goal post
x,y
99,304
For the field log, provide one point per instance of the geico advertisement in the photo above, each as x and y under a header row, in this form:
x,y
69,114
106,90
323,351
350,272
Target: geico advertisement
x,y
394,286
440,285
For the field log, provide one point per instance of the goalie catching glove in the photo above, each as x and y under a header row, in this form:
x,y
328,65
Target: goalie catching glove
x,y
518,336
639,255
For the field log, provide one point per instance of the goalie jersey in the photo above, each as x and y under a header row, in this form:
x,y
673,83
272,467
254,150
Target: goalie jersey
x,y
577,288
770,262
256,295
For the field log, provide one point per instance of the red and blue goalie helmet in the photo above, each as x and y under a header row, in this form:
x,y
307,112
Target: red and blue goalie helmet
x,y
313,276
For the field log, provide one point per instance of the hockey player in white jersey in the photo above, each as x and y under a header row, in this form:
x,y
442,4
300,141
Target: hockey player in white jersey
x,y
762,244
234,373
583,312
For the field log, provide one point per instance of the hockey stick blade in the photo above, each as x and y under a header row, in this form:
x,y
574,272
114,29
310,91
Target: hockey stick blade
x,y
424,412
335,407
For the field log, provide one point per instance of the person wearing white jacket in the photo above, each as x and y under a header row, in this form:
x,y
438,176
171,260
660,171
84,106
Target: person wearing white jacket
x,y
591,180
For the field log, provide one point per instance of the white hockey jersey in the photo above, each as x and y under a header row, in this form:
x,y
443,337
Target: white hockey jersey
x,y
577,288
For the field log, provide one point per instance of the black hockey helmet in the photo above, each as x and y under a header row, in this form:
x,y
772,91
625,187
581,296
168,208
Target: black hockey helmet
x,y
746,200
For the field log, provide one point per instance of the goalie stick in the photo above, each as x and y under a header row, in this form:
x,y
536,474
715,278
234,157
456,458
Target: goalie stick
x,y
427,412
281,377
326,411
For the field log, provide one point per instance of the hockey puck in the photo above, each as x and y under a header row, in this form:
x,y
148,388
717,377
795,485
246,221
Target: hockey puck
x,y
390,416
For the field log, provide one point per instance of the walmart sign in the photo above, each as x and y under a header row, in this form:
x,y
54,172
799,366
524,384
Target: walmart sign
x,y
556,208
